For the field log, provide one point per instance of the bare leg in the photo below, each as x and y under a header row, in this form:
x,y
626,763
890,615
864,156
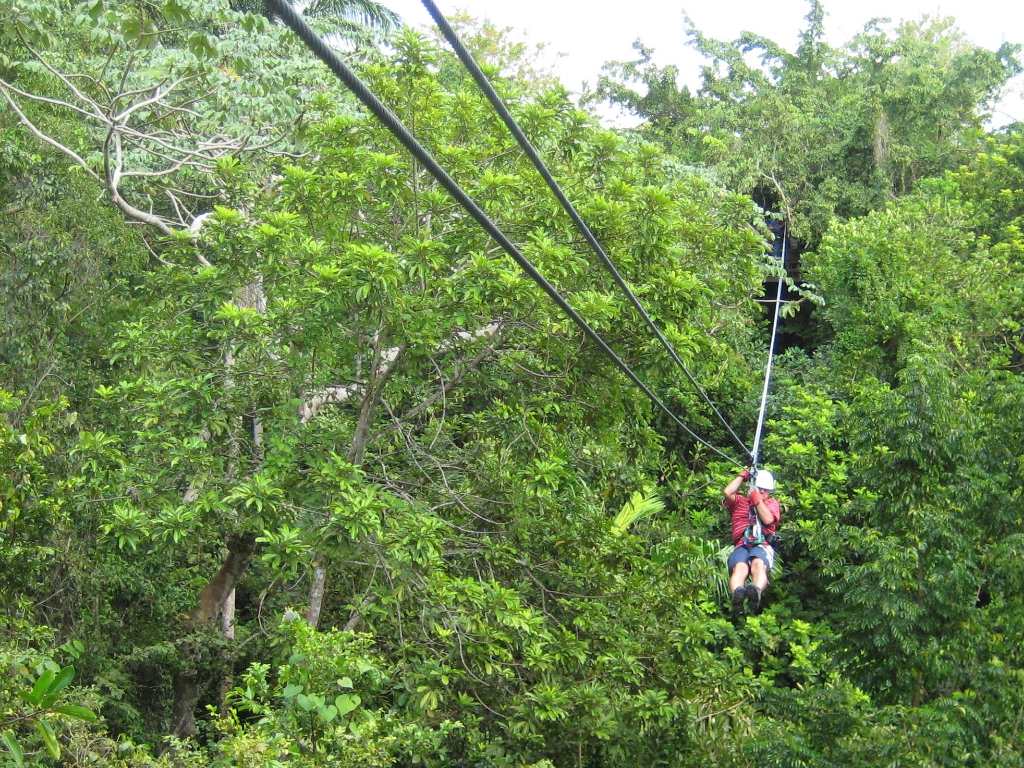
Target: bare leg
x,y
739,575
759,573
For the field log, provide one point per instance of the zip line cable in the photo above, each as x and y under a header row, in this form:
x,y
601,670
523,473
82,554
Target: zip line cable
x,y
771,354
390,121
499,106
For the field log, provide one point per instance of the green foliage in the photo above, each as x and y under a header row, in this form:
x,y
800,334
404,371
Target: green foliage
x,y
335,380
348,17
336,373
637,508
323,707
39,706
825,131
905,525
896,268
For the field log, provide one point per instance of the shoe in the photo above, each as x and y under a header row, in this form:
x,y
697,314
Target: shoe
x,y
738,596
753,595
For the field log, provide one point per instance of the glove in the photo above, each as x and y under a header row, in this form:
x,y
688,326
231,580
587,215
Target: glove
x,y
755,497
745,474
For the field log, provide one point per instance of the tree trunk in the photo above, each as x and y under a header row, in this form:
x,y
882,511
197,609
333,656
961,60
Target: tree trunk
x,y
881,146
357,615
316,592
384,364
227,629
205,616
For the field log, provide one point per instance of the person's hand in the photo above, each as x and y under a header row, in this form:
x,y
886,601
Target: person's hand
x,y
755,497
745,474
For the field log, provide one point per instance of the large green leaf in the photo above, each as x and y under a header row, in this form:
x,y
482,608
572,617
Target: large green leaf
x,y
49,738
81,713
13,747
39,689
60,682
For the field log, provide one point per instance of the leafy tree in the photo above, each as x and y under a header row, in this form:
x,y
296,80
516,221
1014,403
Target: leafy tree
x,y
906,532
327,378
333,484
356,16
823,131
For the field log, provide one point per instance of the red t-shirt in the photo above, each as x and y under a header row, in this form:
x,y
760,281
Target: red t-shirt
x,y
743,516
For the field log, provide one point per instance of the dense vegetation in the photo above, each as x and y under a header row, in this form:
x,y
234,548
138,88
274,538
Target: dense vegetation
x,y
300,470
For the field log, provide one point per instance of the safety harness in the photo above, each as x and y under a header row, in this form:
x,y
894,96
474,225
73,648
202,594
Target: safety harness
x,y
753,536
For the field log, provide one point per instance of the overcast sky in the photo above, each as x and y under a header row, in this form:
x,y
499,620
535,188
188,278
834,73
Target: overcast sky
x,y
591,33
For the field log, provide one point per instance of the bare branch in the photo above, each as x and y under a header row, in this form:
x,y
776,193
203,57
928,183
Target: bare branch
x,y
48,100
163,151
55,72
196,195
179,207
156,97
448,386
46,139
99,81
357,615
334,395
153,254
146,218
177,166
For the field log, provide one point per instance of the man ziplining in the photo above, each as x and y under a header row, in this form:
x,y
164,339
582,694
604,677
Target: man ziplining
x,y
755,519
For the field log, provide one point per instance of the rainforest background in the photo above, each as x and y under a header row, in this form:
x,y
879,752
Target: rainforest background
x,y
299,469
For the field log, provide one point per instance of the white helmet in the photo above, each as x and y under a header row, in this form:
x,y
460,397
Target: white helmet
x,y
764,480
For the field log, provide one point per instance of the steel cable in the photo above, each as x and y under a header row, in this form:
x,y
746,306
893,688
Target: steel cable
x,y
499,106
390,121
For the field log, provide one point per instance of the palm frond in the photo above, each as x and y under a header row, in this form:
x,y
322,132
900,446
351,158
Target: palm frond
x,y
368,13
637,508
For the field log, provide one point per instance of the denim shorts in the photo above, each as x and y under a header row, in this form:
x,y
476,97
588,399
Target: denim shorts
x,y
742,555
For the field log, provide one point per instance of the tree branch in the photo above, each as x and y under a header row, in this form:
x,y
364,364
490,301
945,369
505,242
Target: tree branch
x,y
46,139
448,386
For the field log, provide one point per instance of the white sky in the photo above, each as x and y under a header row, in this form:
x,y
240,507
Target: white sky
x,y
589,34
